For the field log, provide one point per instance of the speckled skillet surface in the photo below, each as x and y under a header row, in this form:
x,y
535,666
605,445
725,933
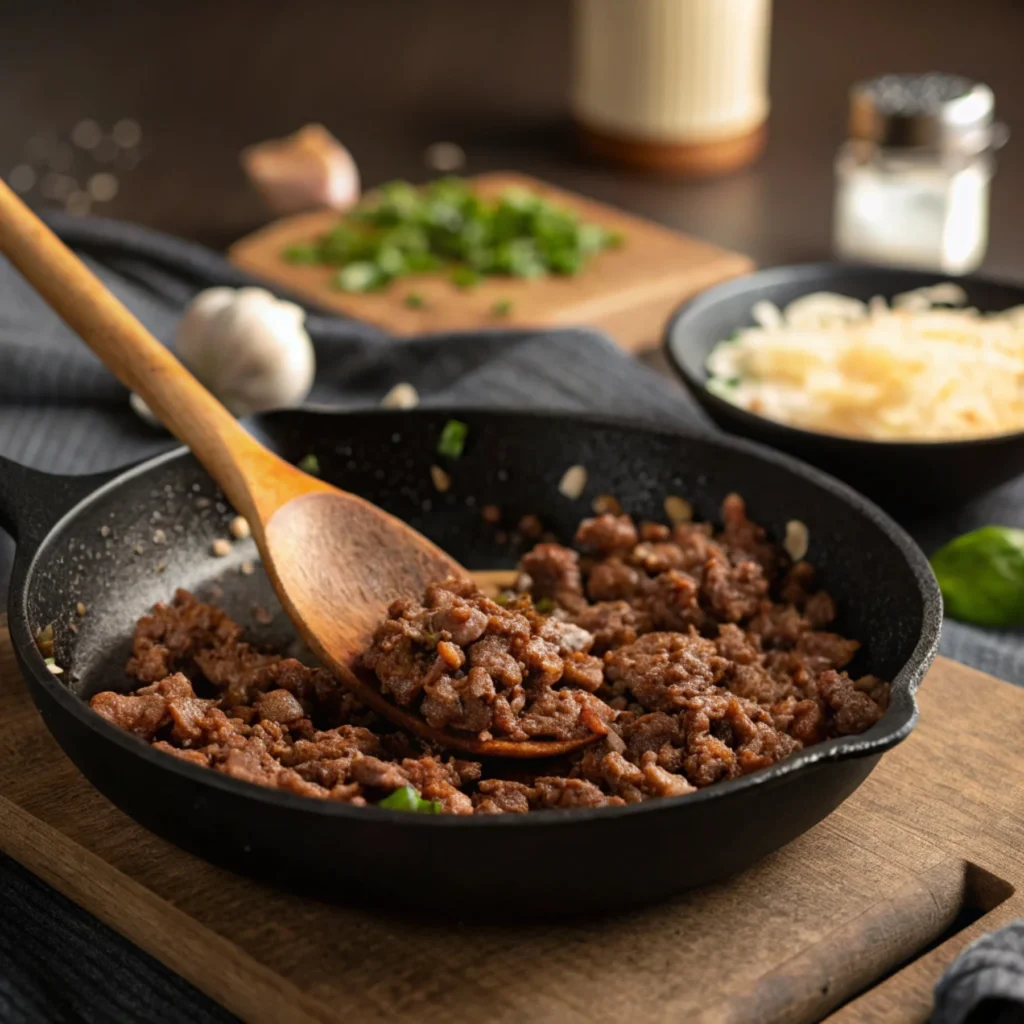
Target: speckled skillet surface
x,y
134,540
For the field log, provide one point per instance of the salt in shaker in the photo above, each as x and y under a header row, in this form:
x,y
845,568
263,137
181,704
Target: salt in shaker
x,y
912,180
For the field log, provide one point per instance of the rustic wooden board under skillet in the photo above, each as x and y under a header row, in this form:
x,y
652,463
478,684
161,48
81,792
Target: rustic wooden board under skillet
x,y
936,834
628,292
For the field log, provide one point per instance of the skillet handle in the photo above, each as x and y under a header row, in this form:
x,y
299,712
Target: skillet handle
x,y
32,502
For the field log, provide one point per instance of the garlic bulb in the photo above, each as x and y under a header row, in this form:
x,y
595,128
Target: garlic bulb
x,y
248,347
304,171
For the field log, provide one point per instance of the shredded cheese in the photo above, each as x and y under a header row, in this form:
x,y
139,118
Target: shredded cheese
x,y
912,370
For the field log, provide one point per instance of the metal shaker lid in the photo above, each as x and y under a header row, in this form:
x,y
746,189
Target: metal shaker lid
x,y
934,111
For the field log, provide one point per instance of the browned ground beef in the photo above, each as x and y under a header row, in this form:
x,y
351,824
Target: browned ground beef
x,y
471,664
695,656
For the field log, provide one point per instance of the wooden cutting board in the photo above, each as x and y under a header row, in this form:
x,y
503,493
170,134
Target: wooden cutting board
x,y
935,836
628,292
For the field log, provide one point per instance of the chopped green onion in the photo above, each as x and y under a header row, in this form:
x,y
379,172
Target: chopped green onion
x,y
310,464
360,277
408,799
501,308
453,439
545,605
414,301
302,254
400,230
465,277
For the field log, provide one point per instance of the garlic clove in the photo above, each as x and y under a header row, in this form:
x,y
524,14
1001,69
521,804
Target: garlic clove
x,y
304,171
248,347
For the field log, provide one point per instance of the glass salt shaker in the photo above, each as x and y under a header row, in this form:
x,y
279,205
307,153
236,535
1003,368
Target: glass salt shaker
x,y
912,180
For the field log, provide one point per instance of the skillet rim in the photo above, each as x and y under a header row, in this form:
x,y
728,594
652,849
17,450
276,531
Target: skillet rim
x,y
839,748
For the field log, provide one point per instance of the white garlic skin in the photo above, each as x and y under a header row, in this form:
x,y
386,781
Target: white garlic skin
x,y
248,347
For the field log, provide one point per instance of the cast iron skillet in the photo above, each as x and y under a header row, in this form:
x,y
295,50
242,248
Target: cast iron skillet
x,y
91,540
905,477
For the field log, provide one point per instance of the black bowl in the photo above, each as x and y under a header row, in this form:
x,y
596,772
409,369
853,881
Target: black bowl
x,y
903,476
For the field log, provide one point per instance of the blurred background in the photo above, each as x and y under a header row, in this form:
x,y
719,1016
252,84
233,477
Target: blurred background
x,y
390,77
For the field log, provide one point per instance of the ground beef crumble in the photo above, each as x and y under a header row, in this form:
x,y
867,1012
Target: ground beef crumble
x,y
694,656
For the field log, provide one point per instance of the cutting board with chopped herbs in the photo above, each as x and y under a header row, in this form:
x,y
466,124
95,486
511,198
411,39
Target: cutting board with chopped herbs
x,y
497,250
857,918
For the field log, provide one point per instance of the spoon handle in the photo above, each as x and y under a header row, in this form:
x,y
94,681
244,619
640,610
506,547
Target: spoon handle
x,y
135,357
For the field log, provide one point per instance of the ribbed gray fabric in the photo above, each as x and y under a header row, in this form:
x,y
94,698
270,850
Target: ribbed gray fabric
x,y
61,411
986,984
59,964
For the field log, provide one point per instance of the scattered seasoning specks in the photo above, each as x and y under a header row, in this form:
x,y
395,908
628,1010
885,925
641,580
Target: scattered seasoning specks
x,y
104,531
401,396
239,528
442,480
247,568
202,503
159,537
678,510
81,609
797,540
573,482
221,548
44,640
491,514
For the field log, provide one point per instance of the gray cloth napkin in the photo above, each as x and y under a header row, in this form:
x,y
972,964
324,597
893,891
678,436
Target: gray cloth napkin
x,y
986,984
61,411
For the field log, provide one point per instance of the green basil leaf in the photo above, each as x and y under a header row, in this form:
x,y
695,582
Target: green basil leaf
x,y
981,575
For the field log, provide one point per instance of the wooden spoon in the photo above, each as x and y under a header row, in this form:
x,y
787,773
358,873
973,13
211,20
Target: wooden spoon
x,y
335,560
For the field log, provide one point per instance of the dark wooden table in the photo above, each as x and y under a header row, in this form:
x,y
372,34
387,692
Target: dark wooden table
x,y
391,76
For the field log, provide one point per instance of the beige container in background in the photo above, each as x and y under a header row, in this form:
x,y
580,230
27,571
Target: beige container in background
x,y
673,85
